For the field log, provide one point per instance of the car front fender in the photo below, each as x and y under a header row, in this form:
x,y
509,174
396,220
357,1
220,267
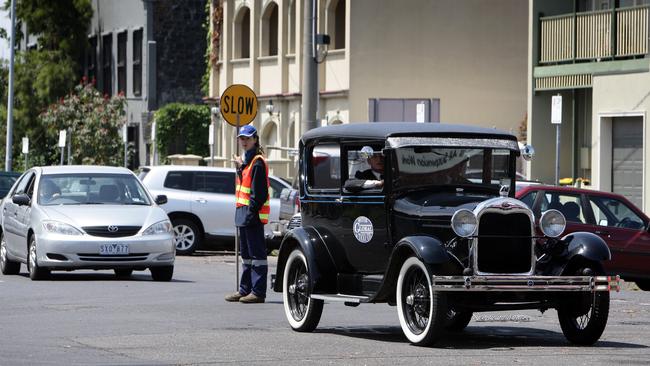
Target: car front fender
x,y
580,246
322,272
430,250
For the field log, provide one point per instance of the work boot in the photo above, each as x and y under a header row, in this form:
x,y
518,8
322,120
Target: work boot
x,y
251,299
234,297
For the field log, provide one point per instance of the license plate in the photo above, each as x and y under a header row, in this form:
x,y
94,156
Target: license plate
x,y
114,249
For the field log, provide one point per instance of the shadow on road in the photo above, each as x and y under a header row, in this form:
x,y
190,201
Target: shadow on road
x,y
135,277
477,337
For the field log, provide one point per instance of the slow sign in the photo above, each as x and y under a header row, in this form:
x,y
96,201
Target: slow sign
x,y
238,102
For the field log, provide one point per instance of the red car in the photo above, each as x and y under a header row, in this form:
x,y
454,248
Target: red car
x,y
624,227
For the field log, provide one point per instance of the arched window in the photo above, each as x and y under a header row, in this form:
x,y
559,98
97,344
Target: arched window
x,y
242,33
270,30
270,138
292,28
336,24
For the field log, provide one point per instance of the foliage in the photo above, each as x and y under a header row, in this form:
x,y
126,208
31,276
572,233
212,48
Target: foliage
x,y
94,121
213,24
47,73
183,129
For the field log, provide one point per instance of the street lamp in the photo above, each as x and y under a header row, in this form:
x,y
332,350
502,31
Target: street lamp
x,y
270,108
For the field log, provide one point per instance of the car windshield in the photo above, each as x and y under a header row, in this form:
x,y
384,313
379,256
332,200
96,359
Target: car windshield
x,y
91,189
427,166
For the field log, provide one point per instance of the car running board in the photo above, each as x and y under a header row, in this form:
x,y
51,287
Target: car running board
x,y
341,298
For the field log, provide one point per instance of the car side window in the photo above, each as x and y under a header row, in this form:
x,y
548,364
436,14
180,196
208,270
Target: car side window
x,y
276,188
22,186
325,167
214,182
179,180
365,173
614,213
570,205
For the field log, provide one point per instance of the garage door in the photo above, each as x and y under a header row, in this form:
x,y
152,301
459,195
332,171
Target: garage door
x,y
627,158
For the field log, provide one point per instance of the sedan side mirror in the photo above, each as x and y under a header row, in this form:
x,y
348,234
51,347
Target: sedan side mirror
x,y
161,199
21,199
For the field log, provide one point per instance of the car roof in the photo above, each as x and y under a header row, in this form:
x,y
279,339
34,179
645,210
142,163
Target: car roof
x,y
72,169
383,130
568,189
149,168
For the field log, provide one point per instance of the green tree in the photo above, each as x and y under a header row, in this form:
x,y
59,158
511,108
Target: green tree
x,y
49,72
183,129
95,122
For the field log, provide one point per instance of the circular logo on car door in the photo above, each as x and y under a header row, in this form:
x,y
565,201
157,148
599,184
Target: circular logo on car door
x,y
362,229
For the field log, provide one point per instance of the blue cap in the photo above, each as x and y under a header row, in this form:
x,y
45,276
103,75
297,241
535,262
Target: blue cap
x,y
247,131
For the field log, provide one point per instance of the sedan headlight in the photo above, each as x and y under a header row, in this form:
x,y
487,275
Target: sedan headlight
x,y
552,223
57,227
464,223
161,227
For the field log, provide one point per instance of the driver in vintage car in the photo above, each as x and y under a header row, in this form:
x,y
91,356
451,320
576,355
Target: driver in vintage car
x,y
372,178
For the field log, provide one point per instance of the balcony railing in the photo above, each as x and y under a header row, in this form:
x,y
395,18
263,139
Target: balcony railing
x,y
596,35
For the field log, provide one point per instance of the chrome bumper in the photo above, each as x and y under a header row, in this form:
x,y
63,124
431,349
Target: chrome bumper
x,y
526,283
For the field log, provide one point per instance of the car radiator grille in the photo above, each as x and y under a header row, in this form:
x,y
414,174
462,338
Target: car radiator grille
x,y
103,231
91,257
504,243
295,222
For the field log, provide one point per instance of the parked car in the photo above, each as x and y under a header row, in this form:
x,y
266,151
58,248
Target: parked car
x,y
201,203
84,217
7,180
436,244
624,227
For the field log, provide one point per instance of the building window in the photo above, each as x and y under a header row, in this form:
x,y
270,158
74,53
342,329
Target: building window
x,y
121,62
91,60
336,24
270,30
107,64
242,33
137,62
293,28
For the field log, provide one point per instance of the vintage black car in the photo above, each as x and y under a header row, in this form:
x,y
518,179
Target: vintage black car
x,y
414,231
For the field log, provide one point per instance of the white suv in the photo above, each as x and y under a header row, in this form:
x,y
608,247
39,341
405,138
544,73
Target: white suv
x,y
201,203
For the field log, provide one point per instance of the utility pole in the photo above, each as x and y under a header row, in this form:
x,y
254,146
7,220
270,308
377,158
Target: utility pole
x,y
309,69
10,102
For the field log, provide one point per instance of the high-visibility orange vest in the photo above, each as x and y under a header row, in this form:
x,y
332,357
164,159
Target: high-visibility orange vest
x,y
243,191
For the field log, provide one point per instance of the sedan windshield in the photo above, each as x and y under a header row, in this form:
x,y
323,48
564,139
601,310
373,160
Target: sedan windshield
x,y
418,166
89,189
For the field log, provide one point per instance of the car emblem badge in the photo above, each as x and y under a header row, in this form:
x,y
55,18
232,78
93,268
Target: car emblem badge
x,y
363,229
113,229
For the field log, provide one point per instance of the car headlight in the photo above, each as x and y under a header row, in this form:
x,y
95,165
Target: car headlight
x,y
57,227
552,223
161,227
464,223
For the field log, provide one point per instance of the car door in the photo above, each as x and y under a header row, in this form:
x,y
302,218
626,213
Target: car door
x,y
213,201
626,233
364,216
23,217
571,205
16,242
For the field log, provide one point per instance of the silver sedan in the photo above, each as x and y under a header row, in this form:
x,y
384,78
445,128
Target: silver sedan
x,y
84,217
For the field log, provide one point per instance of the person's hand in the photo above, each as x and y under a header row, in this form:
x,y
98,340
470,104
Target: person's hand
x,y
238,160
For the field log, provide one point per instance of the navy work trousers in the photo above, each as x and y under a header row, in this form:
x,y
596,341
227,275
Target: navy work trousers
x,y
254,265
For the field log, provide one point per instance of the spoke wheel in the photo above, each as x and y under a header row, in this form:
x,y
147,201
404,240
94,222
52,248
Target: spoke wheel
x,y
302,312
7,266
36,273
422,312
583,317
186,236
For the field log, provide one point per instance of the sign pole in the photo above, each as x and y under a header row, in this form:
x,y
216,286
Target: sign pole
x,y
26,150
62,138
556,119
236,228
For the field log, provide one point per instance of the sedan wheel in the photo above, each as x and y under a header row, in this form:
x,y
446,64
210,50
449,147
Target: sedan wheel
x,y
35,272
186,236
302,312
7,266
422,312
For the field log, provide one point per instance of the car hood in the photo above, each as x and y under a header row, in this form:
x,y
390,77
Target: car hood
x,y
104,215
437,204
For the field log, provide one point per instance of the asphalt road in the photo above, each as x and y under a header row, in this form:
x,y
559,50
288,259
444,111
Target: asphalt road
x,y
91,318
